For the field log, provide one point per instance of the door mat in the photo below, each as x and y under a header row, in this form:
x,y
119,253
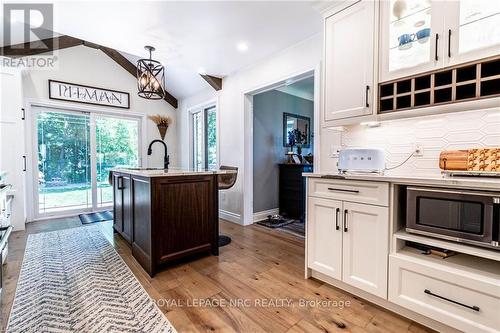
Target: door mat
x,y
296,227
96,217
275,223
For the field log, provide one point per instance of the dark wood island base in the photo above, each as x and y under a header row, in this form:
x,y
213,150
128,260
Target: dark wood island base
x,y
166,215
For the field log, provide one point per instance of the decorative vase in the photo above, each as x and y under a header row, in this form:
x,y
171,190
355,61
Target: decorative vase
x,y
163,130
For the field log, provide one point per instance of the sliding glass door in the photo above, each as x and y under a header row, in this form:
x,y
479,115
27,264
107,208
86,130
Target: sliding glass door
x,y
74,153
63,177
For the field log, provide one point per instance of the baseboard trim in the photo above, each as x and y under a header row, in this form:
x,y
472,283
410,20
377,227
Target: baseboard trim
x,y
260,216
230,216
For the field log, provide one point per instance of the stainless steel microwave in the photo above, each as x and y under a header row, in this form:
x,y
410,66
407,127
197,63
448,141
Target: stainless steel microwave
x,y
471,217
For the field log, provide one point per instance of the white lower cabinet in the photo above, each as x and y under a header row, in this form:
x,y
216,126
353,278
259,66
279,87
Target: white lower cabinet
x,y
324,240
365,247
467,302
348,241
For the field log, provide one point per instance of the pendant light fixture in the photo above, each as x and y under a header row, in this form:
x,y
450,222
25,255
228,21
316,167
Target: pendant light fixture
x,y
150,77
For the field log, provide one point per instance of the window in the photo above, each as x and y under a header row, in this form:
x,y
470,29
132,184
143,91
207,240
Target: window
x,y
204,138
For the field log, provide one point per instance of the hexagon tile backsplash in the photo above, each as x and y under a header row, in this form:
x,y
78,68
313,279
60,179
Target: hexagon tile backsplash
x,y
433,133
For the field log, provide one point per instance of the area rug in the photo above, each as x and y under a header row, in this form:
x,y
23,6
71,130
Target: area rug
x,y
73,280
96,217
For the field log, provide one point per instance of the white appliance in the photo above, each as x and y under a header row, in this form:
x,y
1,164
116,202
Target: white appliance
x,y
361,160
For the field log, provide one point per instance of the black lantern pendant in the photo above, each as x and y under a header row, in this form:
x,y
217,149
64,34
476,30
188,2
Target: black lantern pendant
x,y
150,77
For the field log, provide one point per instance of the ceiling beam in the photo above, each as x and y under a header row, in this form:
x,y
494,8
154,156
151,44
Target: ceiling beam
x,y
39,46
63,42
213,81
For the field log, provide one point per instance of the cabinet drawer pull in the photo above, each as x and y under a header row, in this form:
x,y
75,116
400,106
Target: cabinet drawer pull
x,y
436,48
345,220
366,96
342,190
337,216
25,165
449,43
475,308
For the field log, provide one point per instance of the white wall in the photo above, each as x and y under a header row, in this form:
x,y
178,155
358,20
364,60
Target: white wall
x,y
289,62
87,66
452,131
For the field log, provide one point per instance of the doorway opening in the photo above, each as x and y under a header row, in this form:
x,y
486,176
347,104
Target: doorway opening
x,y
283,134
271,147
74,152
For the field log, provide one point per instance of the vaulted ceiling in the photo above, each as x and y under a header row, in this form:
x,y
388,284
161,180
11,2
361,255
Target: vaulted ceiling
x,y
190,36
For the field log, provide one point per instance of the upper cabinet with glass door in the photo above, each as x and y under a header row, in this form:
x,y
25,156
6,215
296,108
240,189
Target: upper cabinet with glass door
x,y
473,30
421,35
410,30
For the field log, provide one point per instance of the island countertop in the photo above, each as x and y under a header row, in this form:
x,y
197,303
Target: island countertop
x,y
171,172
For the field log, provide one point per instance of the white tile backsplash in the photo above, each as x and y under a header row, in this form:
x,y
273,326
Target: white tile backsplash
x,y
480,128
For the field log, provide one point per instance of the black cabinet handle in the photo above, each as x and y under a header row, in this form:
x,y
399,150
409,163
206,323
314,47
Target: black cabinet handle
x,y
345,220
342,190
449,43
337,213
366,96
436,48
23,112
473,307
24,163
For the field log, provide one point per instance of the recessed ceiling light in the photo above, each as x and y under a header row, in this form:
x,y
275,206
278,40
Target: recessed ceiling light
x,y
242,46
202,71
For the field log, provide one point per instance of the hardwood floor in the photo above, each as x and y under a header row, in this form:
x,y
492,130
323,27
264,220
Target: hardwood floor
x,y
259,269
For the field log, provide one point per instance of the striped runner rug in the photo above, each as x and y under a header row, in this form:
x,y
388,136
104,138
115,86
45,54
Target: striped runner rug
x,y
73,280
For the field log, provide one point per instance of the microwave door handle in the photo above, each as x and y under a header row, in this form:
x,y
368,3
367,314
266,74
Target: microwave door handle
x,y
432,190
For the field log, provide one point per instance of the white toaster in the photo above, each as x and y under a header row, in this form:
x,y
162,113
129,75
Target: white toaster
x,y
361,160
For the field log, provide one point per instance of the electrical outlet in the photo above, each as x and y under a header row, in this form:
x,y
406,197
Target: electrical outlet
x,y
334,151
418,150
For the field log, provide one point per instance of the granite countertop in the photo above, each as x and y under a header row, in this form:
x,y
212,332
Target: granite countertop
x,y
170,172
469,182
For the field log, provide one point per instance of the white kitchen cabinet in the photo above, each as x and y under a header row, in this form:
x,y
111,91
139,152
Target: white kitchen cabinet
x,y
365,247
324,246
472,30
349,61
346,240
411,32
417,36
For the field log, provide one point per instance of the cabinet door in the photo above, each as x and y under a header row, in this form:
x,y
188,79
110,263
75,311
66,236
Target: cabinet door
x,y
365,247
324,236
472,30
349,61
412,38
117,203
127,208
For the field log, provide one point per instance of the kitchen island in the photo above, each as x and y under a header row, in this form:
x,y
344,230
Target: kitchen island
x,y
166,215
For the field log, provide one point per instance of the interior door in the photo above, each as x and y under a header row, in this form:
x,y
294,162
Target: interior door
x,y
324,236
349,61
365,247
